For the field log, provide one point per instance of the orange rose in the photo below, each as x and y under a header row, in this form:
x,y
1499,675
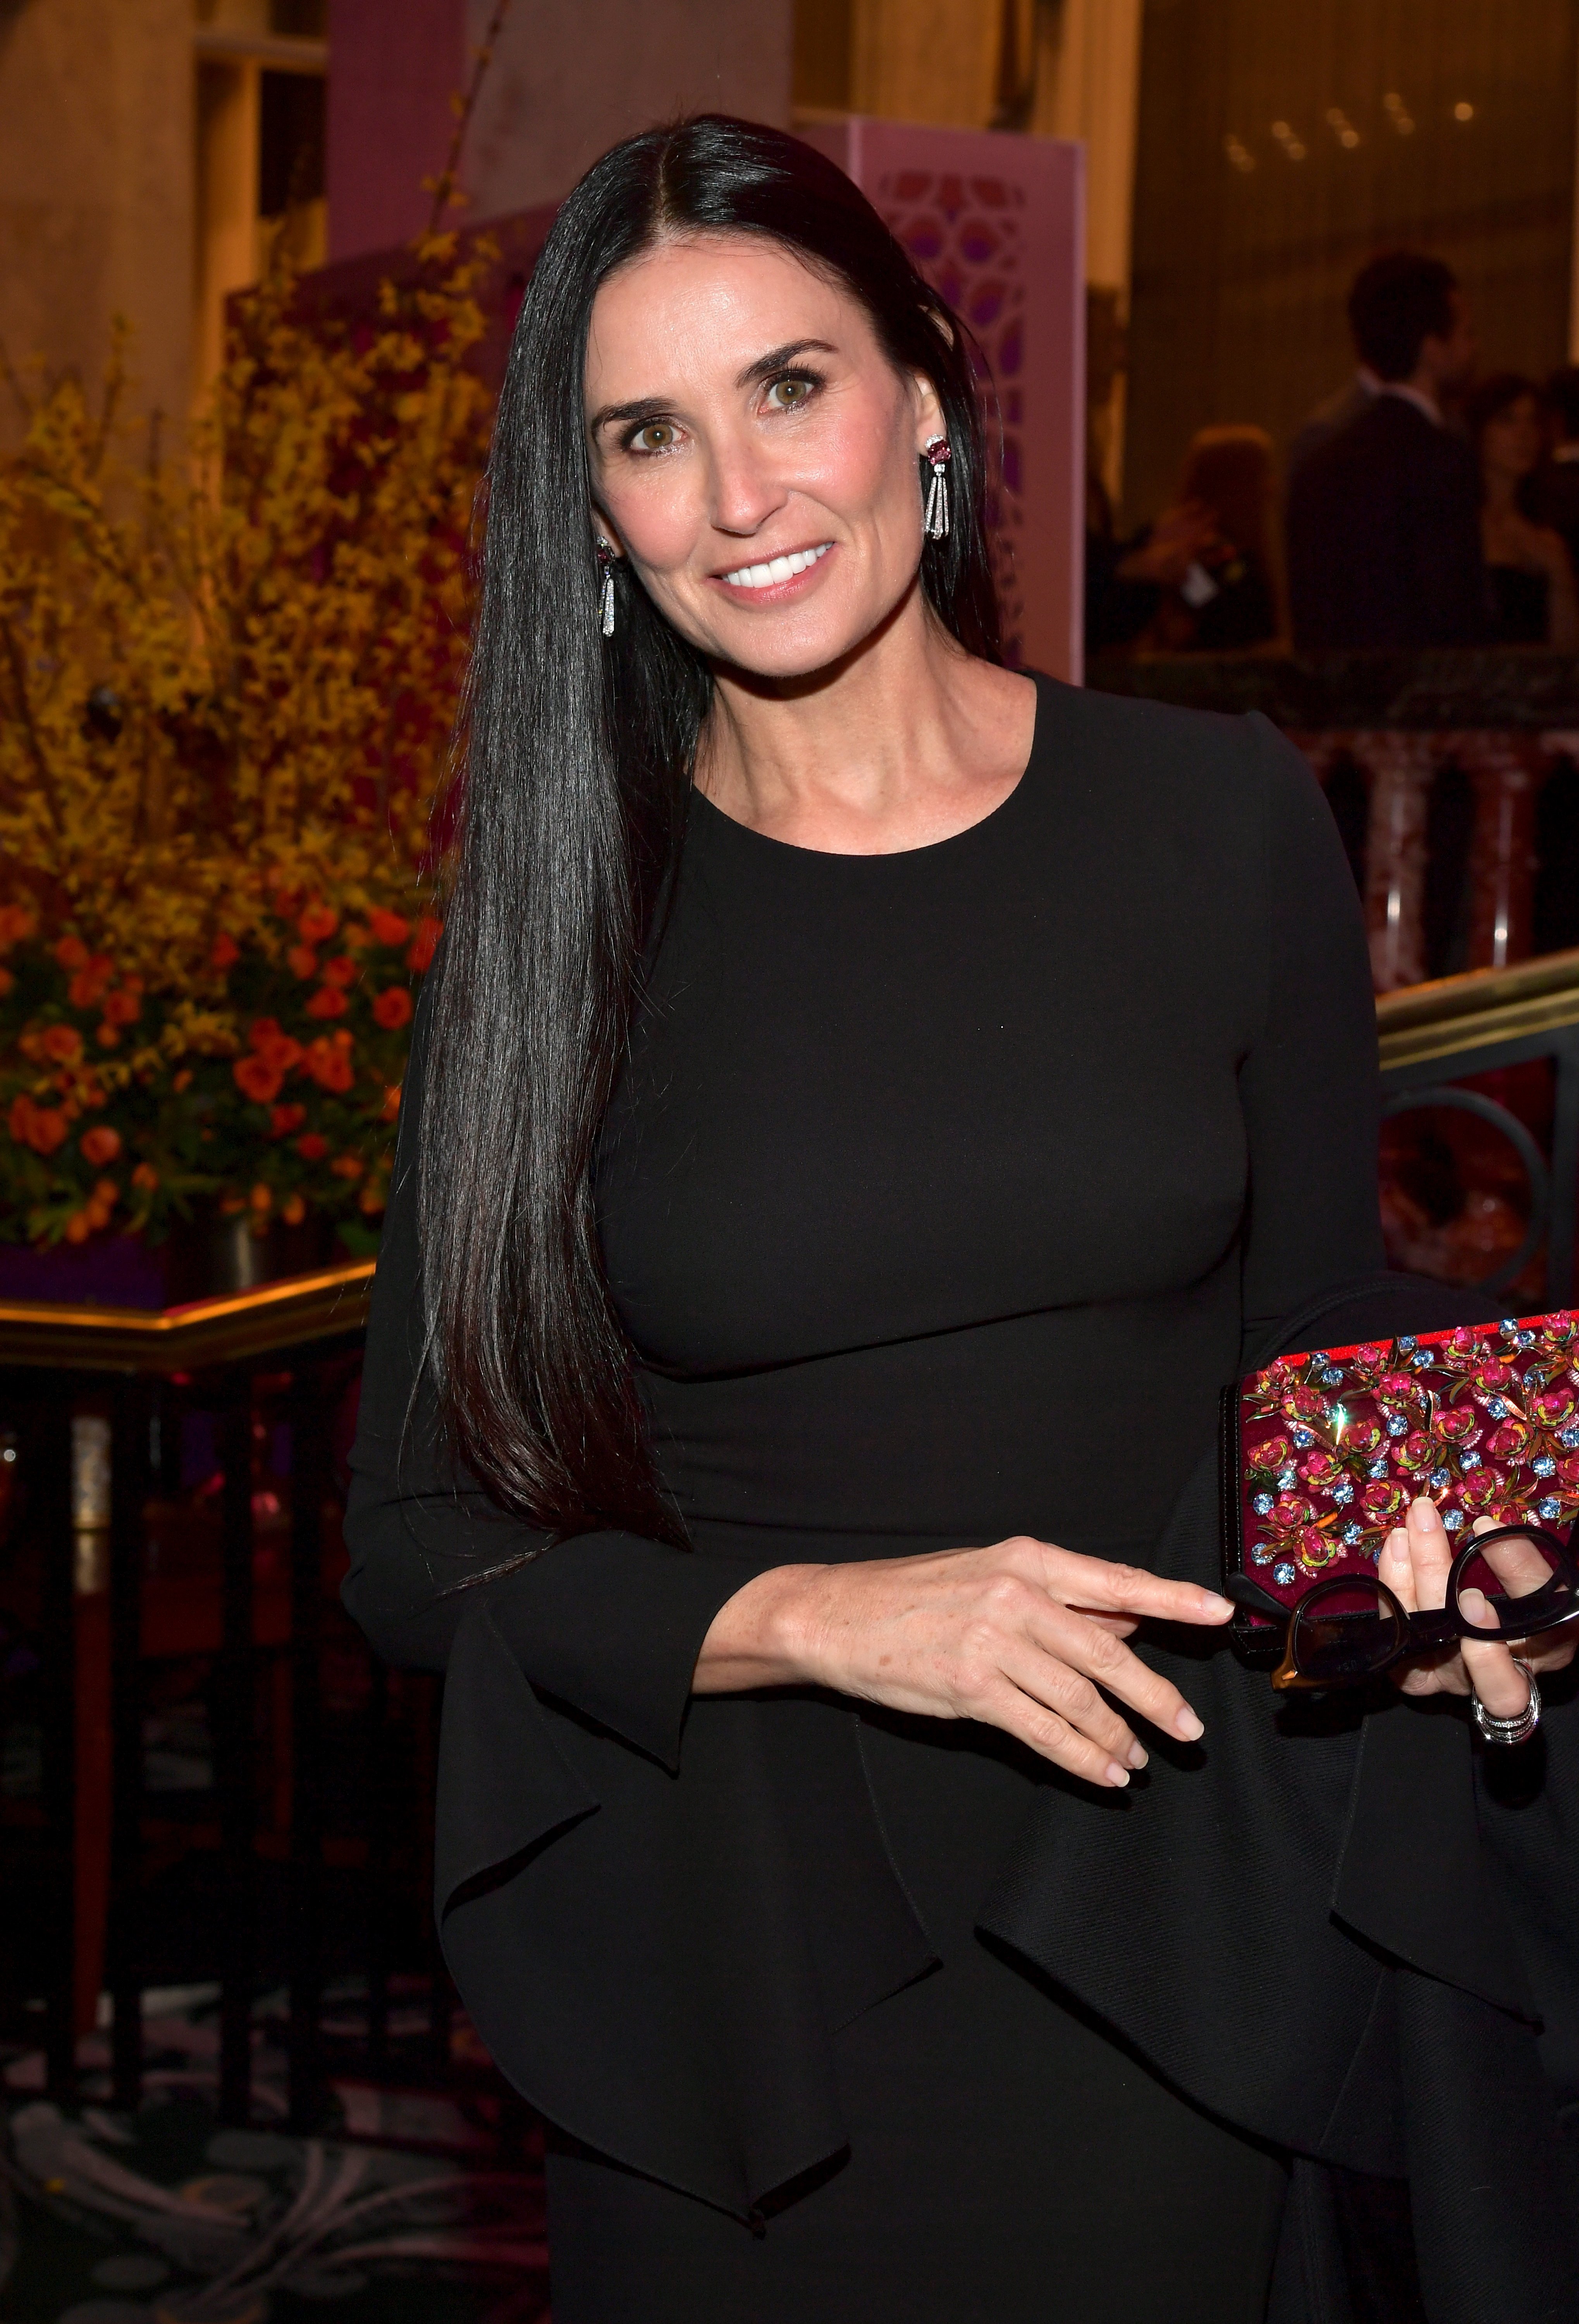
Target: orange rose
x,y
87,986
392,1104
257,1078
372,1199
388,927
63,1044
312,1148
42,1127
100,1145
319,923
328,1061
392,1007
302,961
293,1210
261,1197
223,953
71,953
181,1081
355,936
347,1166
122,1007
284,1119
78,1227
146,1177
108,1037
329,1001
17,924
421,953
276,1047
340,970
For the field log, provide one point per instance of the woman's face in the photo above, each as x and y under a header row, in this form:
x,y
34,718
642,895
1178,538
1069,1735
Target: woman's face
x,y
1510,443
740,413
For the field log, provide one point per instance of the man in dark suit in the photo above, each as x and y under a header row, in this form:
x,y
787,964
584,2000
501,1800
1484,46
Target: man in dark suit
x,y
1553,494
1384,521
1331,416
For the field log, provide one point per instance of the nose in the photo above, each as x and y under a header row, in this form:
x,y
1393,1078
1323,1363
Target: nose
x,y
745,490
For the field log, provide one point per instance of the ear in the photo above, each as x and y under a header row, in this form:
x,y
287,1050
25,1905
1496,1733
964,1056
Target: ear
x,y
929,420
603,529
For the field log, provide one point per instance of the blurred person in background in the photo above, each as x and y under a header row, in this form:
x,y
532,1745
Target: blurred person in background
x,y
1228,595
1384,521
1552,494
1528,569
1127,580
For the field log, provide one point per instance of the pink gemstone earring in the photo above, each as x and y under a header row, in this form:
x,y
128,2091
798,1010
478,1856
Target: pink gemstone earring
x,y
605,566
935,523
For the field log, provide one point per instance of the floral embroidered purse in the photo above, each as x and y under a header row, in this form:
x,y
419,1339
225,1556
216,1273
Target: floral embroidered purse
x,y
1323,1452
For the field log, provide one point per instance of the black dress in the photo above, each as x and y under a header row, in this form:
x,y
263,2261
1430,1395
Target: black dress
x,y
939,1195
1520,604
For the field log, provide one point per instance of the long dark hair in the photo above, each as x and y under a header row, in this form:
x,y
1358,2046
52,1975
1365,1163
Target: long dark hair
x,y
576,767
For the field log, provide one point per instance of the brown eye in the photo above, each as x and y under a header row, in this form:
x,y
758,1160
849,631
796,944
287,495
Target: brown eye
x,y
657,435
789,394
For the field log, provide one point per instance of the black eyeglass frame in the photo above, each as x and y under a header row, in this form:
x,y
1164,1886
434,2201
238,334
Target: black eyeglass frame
x,y
1553,1606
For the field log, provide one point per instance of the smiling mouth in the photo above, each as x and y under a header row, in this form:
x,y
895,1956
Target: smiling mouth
x,y
777,570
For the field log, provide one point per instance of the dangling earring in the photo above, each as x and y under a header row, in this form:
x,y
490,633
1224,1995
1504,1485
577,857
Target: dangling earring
x,y
936,521
605,566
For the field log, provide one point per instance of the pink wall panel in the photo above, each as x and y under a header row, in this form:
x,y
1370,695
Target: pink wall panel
x,y
395,65
997,224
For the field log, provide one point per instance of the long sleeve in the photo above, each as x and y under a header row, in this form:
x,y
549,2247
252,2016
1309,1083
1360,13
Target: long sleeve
x,y
608,1622
1308,1088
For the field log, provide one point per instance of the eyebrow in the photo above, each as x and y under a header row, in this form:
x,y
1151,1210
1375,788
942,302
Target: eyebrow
x,y
654,407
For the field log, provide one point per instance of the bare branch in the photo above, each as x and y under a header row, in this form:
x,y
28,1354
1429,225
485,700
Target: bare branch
x,y
445,183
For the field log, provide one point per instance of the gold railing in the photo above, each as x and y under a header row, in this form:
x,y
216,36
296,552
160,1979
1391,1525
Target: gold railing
x,y
236,1327
1437,1039
1484,1008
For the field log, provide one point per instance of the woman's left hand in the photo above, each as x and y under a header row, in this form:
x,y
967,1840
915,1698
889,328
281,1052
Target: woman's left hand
x,y
1416,1561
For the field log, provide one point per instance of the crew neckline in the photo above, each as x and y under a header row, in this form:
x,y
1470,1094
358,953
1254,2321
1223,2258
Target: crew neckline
x,y
932,847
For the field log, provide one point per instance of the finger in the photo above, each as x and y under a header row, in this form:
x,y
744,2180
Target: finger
x,y
1066,1636
1395,1567
1019,1714
1076,1697
1518,1564
1491,1669
1122,1626
1128,1588
1430,1554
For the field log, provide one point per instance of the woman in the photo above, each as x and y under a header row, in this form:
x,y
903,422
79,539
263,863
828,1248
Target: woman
x,y
863,1098
1534,600
1229,597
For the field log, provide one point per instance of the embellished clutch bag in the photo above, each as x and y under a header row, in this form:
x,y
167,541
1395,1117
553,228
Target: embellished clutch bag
x,y
1323,1452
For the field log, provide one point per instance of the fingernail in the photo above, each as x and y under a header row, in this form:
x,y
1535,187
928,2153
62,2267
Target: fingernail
x,y
1118,1777
1425,1514
1216,1609
1136,1755
1187,1724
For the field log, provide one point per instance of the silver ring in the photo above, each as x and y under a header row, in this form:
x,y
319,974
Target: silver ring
x,y
1523,1723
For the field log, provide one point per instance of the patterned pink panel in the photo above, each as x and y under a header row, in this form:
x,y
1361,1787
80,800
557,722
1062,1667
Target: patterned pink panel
x,y
996,223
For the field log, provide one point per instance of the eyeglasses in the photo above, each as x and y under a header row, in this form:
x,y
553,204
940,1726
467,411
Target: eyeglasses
x,y
1353,1627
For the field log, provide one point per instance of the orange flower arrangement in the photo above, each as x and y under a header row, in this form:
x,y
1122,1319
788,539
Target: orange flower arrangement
x,y
228,684
248,1100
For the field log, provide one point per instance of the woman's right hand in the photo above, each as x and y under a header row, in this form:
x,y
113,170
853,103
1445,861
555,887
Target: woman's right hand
x,y
1023,1636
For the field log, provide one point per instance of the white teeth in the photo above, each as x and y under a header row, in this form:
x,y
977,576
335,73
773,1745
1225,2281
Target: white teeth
x,y
781,568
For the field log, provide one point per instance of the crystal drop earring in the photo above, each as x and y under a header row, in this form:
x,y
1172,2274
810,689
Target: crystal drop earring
x,y
605,566
938,455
